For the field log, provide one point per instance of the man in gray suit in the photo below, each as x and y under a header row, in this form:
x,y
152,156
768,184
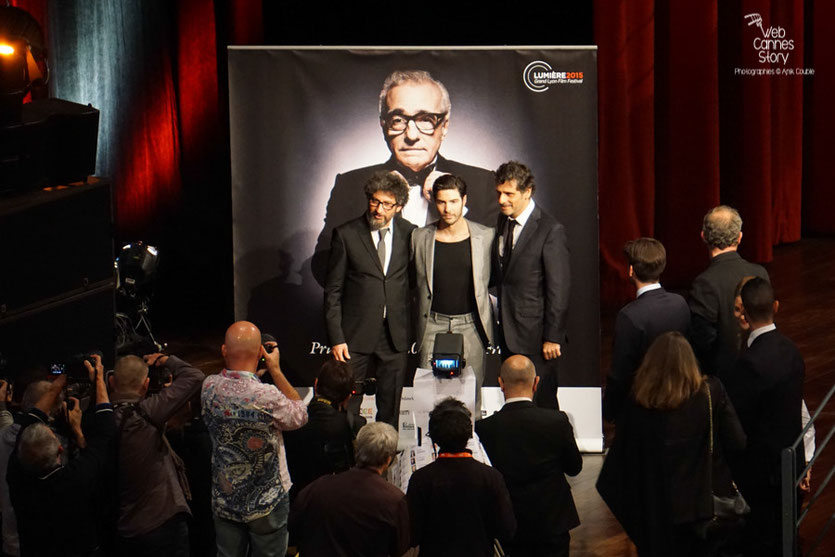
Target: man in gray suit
x,y
452,267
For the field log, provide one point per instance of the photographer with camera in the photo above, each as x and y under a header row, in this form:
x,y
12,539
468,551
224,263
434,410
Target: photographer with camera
x,y
245,417
151,485
54,502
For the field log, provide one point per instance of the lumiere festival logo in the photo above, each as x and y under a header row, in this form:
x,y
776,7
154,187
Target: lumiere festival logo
x,y
773,47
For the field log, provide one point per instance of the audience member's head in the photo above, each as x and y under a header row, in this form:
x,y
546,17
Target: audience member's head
x,y
34,392
722,228
376,446
647,257
669,374
242,346
130,375
38,449
739,311
335,381
518,377
450,425
758,302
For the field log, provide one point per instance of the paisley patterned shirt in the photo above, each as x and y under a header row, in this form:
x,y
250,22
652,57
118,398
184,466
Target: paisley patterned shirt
x,y
245,418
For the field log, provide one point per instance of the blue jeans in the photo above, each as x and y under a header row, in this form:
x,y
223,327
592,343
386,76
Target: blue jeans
x,y
265,536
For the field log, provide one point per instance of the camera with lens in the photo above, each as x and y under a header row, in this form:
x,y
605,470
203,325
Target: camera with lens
x,y
365,387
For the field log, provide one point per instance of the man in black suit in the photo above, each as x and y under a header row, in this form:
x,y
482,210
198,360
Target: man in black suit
x,y
414,112
714,329
533,448
457,505
653,312
367,293
325,444
766,388
531,263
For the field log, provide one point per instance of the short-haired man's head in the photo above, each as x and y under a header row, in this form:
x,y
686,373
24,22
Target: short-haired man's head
x,y
391,182
376,442
515,170
449,182
758,300
450,425
721,227
34,392
399,77
647,257
517,372
129,374
335,381
38,449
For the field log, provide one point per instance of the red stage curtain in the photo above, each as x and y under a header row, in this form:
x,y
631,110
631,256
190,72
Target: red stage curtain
x,y
759,143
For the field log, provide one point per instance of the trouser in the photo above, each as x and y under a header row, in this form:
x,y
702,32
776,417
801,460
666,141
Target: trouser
x,y
265,536
168,540
465,325
389,367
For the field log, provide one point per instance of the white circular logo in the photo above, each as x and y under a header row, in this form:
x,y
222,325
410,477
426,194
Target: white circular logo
x,y
537,76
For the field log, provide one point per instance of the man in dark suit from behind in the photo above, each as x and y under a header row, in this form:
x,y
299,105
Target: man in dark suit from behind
x,y
367,293
714,329
533,448
325,444
457,505
654,311
766,388
531,269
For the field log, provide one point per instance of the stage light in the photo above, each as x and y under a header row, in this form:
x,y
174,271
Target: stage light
x,y
21,47
6,49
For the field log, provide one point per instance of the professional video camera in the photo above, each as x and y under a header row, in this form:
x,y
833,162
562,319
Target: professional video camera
x,y
447,356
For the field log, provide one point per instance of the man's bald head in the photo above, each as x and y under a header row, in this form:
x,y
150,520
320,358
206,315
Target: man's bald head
x,y
242,346
129,374
518,377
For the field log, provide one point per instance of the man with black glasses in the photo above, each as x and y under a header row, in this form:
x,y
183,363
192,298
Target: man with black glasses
x,y
367,293
414,112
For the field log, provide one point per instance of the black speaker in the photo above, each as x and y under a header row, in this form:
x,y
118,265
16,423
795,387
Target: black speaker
x,y
57,282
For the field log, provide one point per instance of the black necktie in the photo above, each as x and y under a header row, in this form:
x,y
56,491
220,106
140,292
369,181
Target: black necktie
x,y
381,248
508,241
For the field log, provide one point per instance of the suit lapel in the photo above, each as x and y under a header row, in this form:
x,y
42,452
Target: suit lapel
x,y
429,252
401,238
525,236
364,236
476,247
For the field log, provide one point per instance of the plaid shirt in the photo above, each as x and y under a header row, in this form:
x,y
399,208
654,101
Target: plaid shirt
x,y
245,418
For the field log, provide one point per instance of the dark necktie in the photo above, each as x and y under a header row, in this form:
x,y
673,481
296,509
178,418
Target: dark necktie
x,y
381,248
508,241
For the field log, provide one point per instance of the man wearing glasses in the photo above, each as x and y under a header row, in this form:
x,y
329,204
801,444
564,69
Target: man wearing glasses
x,y
414,117
367,293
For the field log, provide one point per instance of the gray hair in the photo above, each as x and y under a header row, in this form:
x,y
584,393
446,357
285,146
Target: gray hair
x,y
130,373
375,443
721,227
399,77
38,449
33,394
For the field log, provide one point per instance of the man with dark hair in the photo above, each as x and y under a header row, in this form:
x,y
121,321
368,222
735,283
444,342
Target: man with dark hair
x,y
653,312
367,293
152,490
457,505
325,445
452,268
414,115
355,513
533,448
56,503
531,268
713,329
766,388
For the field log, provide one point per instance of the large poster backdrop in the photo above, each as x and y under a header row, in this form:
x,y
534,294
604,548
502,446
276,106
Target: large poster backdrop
x,y
302,116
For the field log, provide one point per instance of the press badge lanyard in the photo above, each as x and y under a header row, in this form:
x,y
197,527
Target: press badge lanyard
x,y
455,455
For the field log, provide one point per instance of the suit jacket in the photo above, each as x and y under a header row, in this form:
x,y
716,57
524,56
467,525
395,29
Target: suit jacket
x,y
534,289
638,324
356,290
714,330
423,256
353,514
457,506
534,448
766,388
347,200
